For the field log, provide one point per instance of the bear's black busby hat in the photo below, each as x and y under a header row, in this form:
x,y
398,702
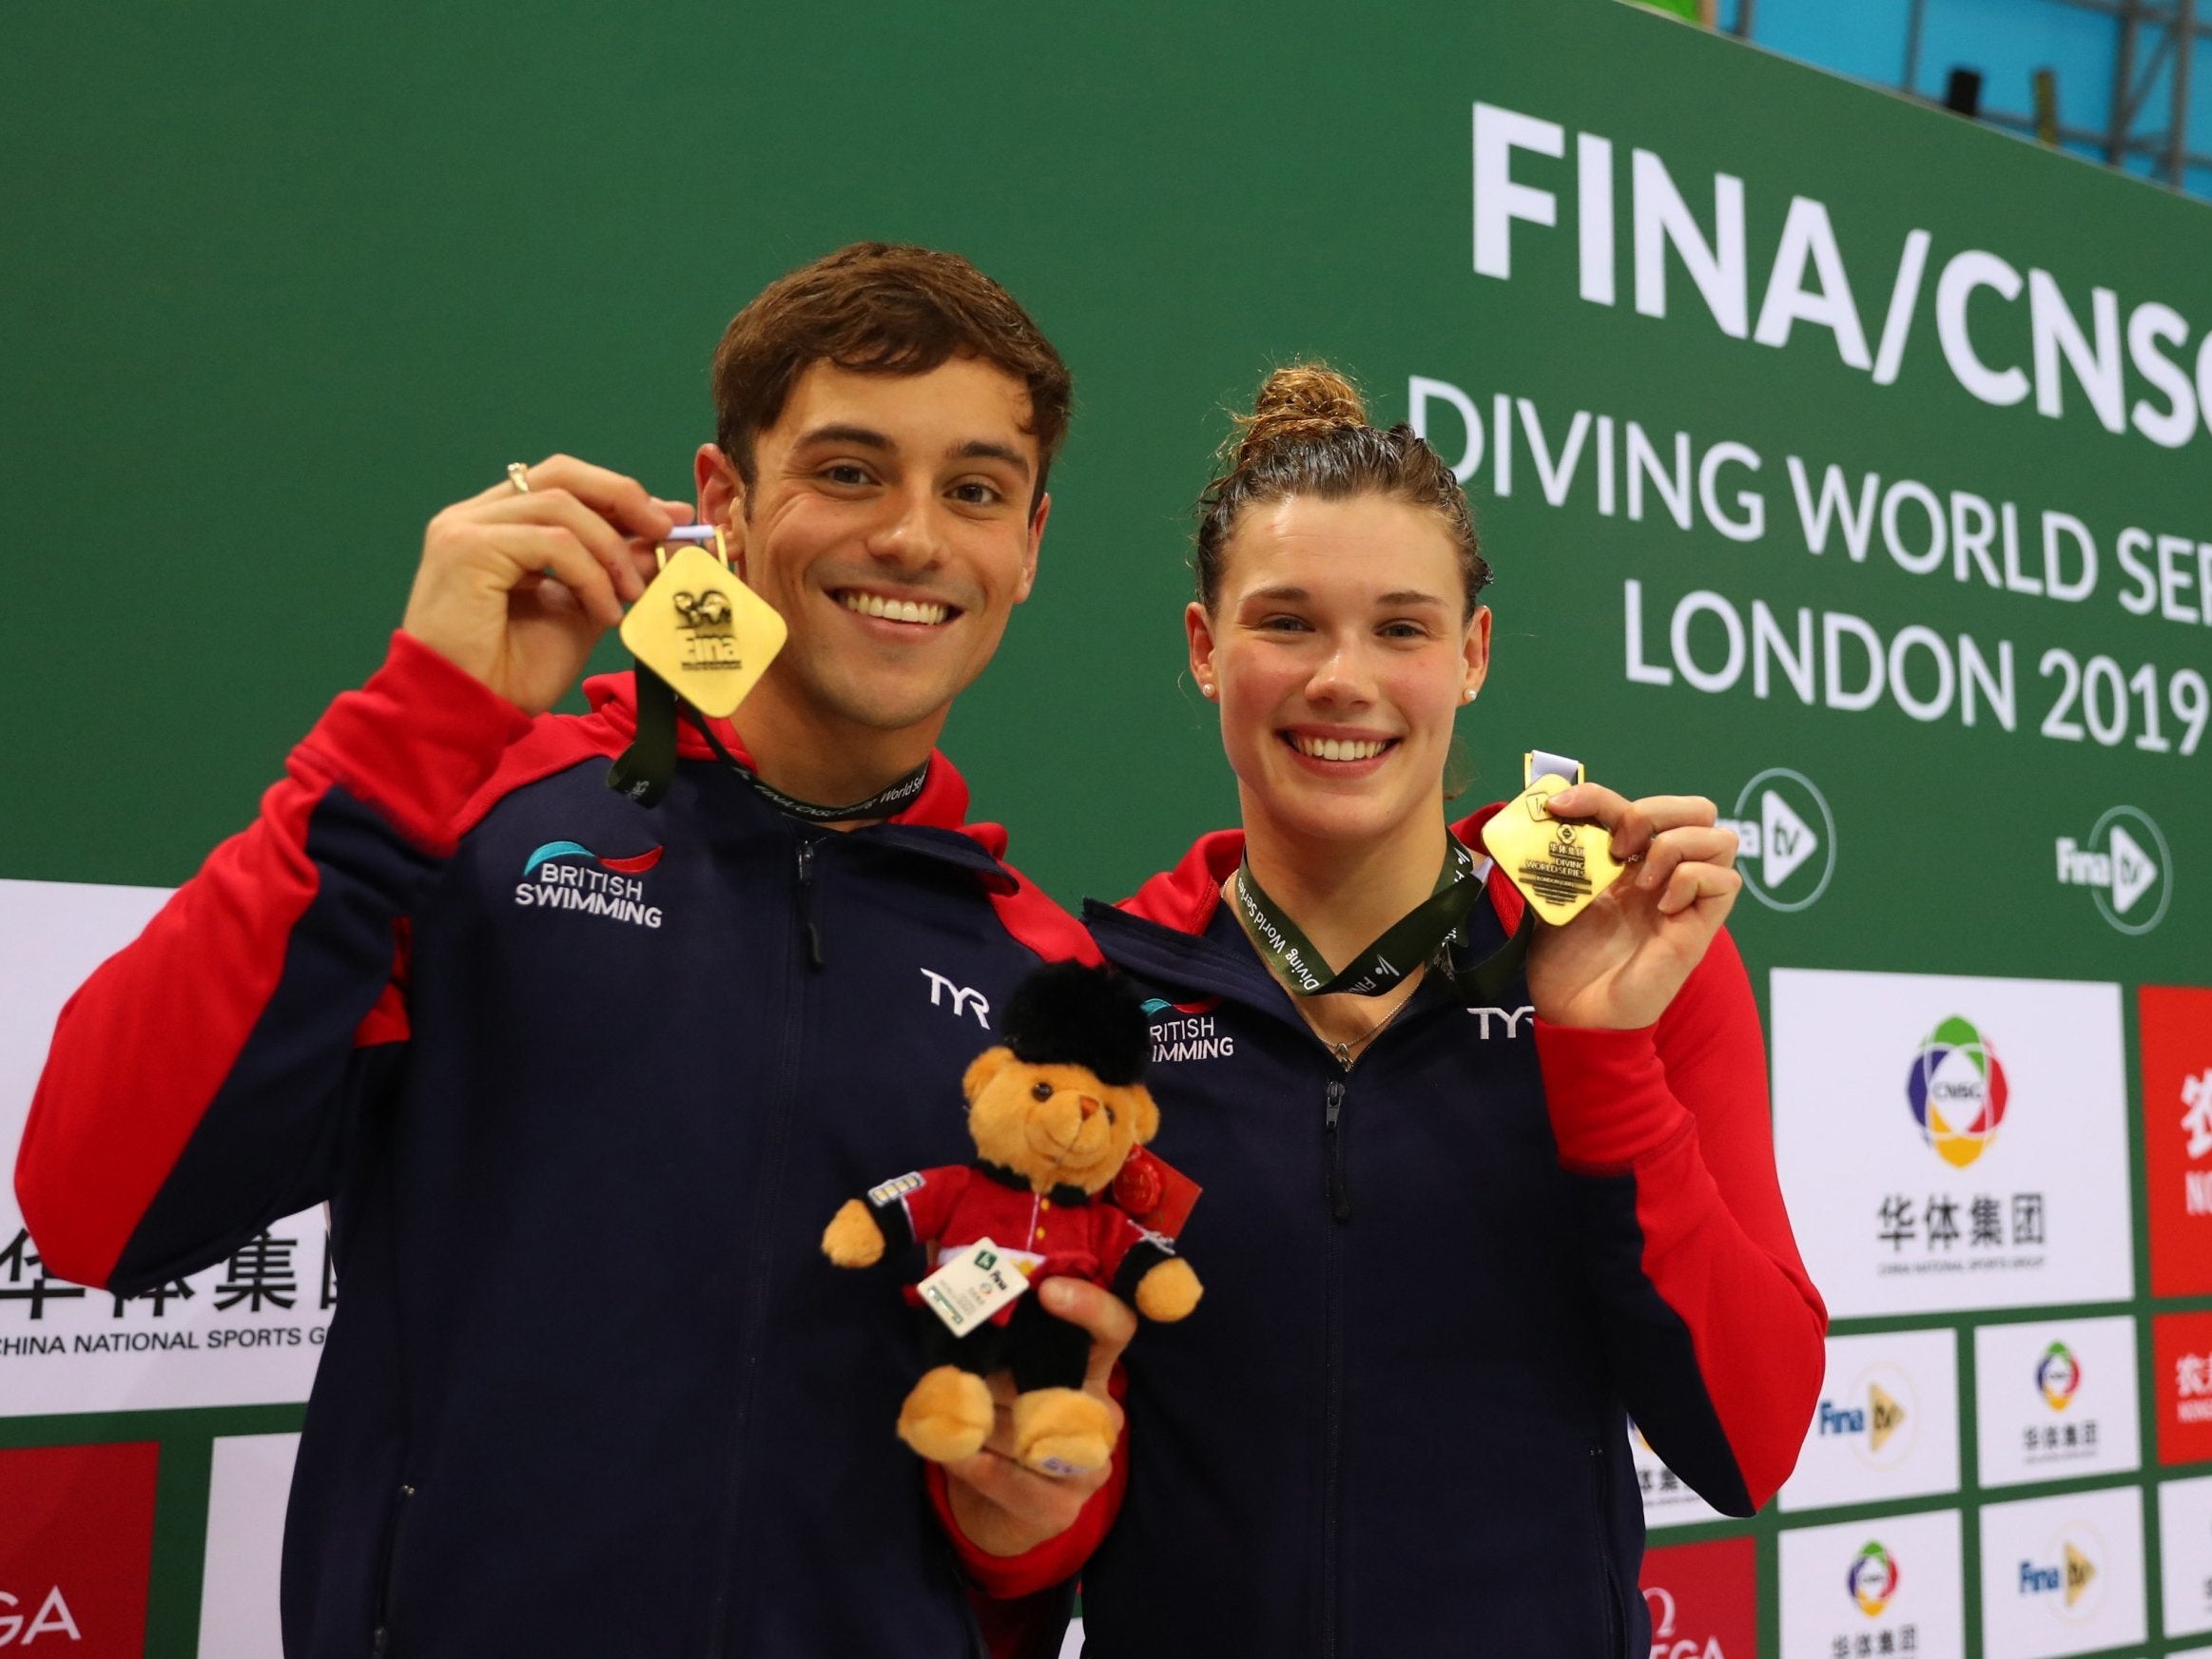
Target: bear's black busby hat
x,y
1069,1015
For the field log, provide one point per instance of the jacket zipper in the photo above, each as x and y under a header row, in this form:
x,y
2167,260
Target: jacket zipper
x,y
784,1084
395,1537
1332,1355
1614,1632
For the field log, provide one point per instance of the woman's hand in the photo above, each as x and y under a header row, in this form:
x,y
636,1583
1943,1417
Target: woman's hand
x,y
1618,964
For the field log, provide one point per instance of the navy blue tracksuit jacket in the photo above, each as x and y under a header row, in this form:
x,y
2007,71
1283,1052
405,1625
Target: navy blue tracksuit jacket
x,y
1438,1283
583,1083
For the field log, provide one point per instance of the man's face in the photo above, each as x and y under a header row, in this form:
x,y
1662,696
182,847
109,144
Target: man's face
x,y
890,525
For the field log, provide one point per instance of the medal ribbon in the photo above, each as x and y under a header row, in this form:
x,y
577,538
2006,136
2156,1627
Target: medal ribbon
x,y
644,769
1405,945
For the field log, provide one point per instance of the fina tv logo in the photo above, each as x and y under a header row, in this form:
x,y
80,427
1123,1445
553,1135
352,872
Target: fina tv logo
x,y
2072,1578
1786,862
2058,1374
1872,1578
2126,864
1957,1091
1874,1427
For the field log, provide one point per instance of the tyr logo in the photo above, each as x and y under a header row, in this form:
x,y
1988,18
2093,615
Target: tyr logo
x,y
1508,1019
962,998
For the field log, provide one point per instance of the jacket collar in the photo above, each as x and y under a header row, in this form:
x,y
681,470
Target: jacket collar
x,y
942,805
1173,928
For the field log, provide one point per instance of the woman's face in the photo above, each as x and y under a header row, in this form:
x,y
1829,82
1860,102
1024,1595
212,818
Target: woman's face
x,y
1339,649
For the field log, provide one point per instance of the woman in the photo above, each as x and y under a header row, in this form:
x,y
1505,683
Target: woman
x,y
1447,1258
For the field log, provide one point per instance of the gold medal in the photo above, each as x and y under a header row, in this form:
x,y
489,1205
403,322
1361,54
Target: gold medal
x,y
702,630
1559,866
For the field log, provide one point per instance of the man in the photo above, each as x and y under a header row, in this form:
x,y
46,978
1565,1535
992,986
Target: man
x,y
582,1079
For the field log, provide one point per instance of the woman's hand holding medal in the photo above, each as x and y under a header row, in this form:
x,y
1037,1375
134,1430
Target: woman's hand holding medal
x,y
1617,964
517,583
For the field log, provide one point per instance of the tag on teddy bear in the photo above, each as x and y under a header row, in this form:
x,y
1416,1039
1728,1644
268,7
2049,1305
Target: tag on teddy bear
x,y
1158,1196
968,1289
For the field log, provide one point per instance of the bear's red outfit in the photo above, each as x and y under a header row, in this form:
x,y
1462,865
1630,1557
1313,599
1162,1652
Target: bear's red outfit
x,y
1076,1234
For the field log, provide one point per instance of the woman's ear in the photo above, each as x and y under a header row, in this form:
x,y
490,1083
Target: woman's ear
x,y
1477,652
1199,628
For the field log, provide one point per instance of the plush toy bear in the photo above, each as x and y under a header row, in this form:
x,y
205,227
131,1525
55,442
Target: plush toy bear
x,y
1054,1112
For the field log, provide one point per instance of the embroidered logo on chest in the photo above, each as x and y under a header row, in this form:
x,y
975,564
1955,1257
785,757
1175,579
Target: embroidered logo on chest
x,y
569,875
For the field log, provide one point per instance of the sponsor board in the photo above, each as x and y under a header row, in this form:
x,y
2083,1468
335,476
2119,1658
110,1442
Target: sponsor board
x,y
2063,1575
2127,865
2054,1398
249,1480
1949,1142
1885,1585
1668,1502
76,1541
1702,1599
245,1332
2182,1354
1886,1425
2184,1546
2174,1035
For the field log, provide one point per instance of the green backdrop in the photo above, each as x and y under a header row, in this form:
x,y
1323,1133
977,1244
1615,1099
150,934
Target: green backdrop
x,y
279,285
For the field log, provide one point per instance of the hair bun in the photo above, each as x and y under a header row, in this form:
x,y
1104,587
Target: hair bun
x,y
1301,401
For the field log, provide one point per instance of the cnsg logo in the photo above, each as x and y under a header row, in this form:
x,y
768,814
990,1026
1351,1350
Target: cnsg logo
x,y
2126,864
1872,1578
1957,1091
1785,838
1872,1418
2067,1577
2058,1374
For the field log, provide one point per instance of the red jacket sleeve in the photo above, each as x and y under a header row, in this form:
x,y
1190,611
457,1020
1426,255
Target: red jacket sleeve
x,y
1714,1331
196,1084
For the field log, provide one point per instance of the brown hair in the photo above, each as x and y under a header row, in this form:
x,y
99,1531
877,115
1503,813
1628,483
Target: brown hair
x,y
1308,434
879,308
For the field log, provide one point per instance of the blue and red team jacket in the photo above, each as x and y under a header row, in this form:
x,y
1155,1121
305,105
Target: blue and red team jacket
x,y
582,1082
1439,1285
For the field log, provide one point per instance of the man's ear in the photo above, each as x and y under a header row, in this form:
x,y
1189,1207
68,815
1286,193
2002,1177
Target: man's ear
x,y
1144,1111
720,499
1036,540
982,1068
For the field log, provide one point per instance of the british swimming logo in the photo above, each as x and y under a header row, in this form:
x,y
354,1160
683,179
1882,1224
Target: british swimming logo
x,y
569,875
1957,1091
1872,1578
2058,1374
1187,1031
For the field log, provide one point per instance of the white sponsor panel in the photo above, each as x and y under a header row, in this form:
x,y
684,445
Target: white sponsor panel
x,y
248,1483
2054,1398
1949,1142
1886,1423
1667,1499
2184,1546
2063,1575
1893,1580
245,1332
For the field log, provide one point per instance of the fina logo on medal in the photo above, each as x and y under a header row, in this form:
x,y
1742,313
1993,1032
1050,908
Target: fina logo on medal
x,y
2126,864
1785,838
710,634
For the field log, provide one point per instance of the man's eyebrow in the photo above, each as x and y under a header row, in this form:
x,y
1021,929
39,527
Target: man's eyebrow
x,y
977,448
859,436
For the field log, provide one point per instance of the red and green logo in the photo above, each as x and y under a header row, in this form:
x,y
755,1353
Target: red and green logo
x,y
1872,1578
2058,1374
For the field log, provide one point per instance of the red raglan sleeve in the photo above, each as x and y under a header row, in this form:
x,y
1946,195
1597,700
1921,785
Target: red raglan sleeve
x,y
1714,1329
200,1084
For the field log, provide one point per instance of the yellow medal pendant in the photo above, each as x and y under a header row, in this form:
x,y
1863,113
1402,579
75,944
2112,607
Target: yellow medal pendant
x,y
1559,866
702,630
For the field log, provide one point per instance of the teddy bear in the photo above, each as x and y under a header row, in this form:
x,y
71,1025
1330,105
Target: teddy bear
x,y
1054,1112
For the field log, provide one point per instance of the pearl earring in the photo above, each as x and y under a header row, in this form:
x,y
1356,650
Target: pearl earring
x,y
1468,695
